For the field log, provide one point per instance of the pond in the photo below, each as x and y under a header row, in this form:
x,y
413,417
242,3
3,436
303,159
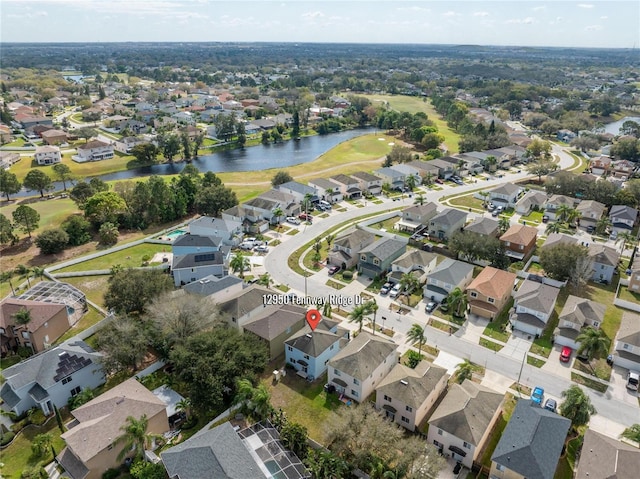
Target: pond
x,y
614,128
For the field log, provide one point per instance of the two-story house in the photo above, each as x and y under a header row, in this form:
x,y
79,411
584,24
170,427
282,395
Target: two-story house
x,y
627,344
416,217
447,222
228,229
94,150
519,241
375,259
361,365
531,201
590,212
407,395
369,184
309,351
490,291
425,168
394,178
604,261
54,137
348,186
445,168
51,378
462,423
634,280
190,244
407,171
346,247
327,190
623,218
47,155
603,456
447,276
244,305
274,324
414,260
623,169
577,313
267,203
529,431
505,195
600,165
554,202
91,446
299,191
192,267
533,306
483,226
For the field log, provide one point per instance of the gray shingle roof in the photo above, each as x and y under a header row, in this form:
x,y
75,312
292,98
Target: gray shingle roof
x,y
298,188
448,217
272,321
602,254
364,176
421,210
354,239
506,189
415,257
195,260
411,386
245,301
579,310
72,465
211,284
312,343
483,226
532,441
451,271
605,457
466,411
211,453
363,355
536,296
383,248
629,331
187,240
623,212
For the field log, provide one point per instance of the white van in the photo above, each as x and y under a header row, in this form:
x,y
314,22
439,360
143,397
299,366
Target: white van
x,y
633,378
325,204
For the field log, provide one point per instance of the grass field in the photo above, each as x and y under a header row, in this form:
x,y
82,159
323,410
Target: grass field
x,y
414,104
52,213
127,258
91,317
92,286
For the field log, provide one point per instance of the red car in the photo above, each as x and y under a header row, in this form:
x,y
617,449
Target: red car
x,y
565,354
305,217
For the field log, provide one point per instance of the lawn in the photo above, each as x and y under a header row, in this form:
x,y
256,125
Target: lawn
x,y
89,319
442,326
52,212
497,328
386,225
535,217
467,201
627,295
590,383
303,402
501,423
334,284
567,463
605,294
490,345
598,365
127,258
92,286
308,258
538,363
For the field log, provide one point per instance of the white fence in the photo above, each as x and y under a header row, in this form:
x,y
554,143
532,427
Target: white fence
x,y
624,303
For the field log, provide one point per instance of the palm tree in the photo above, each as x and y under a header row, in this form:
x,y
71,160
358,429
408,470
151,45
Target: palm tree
x,y
239,263
576,406
357,315
22,316
135,436
419,199
553,227
632,433
593,342
504,223
602,225
485,195
562,213
572,216
37,272
490,162
626,237
255,401
457,301
184,405
410,182
460,166
265,280
428,178
371,307
464,371
409,282
277,214
329,239
417,335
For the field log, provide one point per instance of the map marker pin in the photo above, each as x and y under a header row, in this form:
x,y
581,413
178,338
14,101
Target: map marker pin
x,y
313,318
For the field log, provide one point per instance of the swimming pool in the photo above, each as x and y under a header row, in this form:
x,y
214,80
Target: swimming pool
x,y
175,233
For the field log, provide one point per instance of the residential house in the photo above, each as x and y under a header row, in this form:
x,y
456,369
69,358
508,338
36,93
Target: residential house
x,y
264,206
94,150
407,171
244,305
28,121
309,351
623,218
47,155
392,177
8,158
195,266
506,195
91,439
48,321
348,186
484,226
590,212
554,202
416,217
415,260
519,241
217,452
627,345
362,364
565,135
344,252
533,307
530,445
126,144
327,190
192,244
228,229
51,378
463,422
219,288
368,183
54,137
5,134
623,169
274,324
299,191
634,280
600,165
470,164
376,258
405,396
554,239
445,168
447,276
604,262
577,314
533,200
490,291
447,222
602,456
425,168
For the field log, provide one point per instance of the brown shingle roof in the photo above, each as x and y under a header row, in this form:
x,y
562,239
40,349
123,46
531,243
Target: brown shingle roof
x,y
40,312
520,234
493,282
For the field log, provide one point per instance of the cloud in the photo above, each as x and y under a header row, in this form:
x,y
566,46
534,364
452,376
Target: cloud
x,y
28,14
593,28
480,14
412,9
539,9
604,17
450,13
521,21
313,15
585,5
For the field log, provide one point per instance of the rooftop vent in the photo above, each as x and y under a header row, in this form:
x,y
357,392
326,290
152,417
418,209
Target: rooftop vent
x,y
402,381
308,335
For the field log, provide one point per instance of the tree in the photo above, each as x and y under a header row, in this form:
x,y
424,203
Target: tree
x,y
186,145
145,153
417,335
135,437
504,223
63,173
108,234
457,301
627,238
81,398
254,401
212,200
585,143
490,163
560,260
539,149
410,182
371,307
198,140
26,218
408,283
602,225
553,227
419,199
22,316
485,195
239,263
632,433
265,280
329,240
357,315
124,344
576,406
593,342
52,241
147,470
464,371
541,168
104,207
85,133
78,230
41,444
179,317
37,180
323,464
6,231
169,145
280,178
278,213
9,184
132,290
295,436
295,125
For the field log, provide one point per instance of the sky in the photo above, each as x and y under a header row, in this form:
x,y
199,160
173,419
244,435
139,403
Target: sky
x,y
584,23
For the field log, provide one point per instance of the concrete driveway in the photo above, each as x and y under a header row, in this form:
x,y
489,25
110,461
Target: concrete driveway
x,y
618,387
472,328
516,347
555,366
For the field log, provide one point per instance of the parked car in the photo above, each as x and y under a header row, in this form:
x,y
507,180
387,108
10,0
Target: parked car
x,y
293,220
633,378
386,287
551,405
545,219
537,395
439,181
395,291
247,245
591,229
263,248
333,270
565,354
430,307
305,217
495,212
614,235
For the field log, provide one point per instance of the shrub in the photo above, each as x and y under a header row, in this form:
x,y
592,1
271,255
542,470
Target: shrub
x,y
413,358
35,472
37,417
347,274
6,438
24,352
52,241
111,473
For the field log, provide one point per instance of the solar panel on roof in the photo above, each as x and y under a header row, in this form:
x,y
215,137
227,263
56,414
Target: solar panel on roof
x,y
199,258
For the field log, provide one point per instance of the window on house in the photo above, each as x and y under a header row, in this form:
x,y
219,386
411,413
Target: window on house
x,y
306,356
507,243
289,348
405,419
499,467
331,348
356,382
440,432
474,294
336,372
408,408
387,398
466,445
376,261
521,247
354,393
363,257
626,346
67,380
75,391
596,324
491,300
